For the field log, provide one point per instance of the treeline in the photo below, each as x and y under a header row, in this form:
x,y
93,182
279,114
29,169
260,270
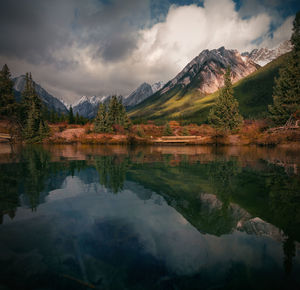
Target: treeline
x,y
80,120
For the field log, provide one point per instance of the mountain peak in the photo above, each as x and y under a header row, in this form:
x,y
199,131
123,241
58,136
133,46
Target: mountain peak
x,y
206,70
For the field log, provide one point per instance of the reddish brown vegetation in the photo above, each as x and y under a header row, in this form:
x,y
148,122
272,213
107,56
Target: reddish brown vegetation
x,y
252,132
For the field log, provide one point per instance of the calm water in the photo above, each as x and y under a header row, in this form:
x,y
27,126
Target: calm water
x,y
76,217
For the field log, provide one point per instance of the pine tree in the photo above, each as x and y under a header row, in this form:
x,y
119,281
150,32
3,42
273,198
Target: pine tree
x,y
112,113
286,92
225,115
32,113
77,118
167,130
116,114
32,126
71,116
100,122
7,100
30,96
140,131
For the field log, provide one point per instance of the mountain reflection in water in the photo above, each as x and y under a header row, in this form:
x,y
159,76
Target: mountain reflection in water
x,y
80,217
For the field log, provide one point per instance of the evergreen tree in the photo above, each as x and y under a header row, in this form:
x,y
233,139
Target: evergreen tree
x,y
286,92
167,130
116,114
140,131
225,113
32,124
100,122
71,116
77,118
30,96
7,100
112,113
32,113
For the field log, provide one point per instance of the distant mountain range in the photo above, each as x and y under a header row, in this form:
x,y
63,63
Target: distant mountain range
x,y
88,106
50,101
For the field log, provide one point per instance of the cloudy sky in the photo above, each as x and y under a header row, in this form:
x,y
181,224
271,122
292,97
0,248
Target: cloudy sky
x,y
102,47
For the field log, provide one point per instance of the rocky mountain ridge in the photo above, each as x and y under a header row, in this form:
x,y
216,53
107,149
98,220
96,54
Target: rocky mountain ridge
x,y
206,71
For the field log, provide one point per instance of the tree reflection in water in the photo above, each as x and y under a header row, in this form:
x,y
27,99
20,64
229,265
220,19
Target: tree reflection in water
x,y
265,191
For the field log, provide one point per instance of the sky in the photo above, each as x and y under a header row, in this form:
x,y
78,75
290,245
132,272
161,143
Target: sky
x,y
104,47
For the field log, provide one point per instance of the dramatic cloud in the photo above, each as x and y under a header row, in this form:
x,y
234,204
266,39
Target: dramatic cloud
x,y
95,47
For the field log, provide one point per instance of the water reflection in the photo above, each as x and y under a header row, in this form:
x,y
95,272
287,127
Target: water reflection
x,y
112,171
202,218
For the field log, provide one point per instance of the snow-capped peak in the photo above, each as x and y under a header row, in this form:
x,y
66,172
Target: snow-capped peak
x,y
92,100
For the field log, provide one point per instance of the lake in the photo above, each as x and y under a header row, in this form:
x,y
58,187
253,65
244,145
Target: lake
x,y
113,217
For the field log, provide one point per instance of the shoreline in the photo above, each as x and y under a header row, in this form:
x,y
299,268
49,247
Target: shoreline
x,y
252,134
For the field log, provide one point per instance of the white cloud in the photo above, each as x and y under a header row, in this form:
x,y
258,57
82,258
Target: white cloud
x,y
282,33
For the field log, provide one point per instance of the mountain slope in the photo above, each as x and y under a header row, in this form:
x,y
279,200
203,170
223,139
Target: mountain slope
x,y
141,93
253,92
202,76
52,103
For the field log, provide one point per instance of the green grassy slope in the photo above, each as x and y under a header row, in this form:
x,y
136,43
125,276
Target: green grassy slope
x,y
254,93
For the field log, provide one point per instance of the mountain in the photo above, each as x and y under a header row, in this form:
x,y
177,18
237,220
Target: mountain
x,y
262,56
157,86
141,93
88,106
202,76
254,93
50,101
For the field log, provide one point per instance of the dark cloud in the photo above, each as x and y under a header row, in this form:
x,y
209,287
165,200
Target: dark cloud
x,y
33,29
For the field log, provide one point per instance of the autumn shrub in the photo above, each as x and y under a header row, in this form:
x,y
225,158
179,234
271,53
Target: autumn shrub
x,y
87,128
253,129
